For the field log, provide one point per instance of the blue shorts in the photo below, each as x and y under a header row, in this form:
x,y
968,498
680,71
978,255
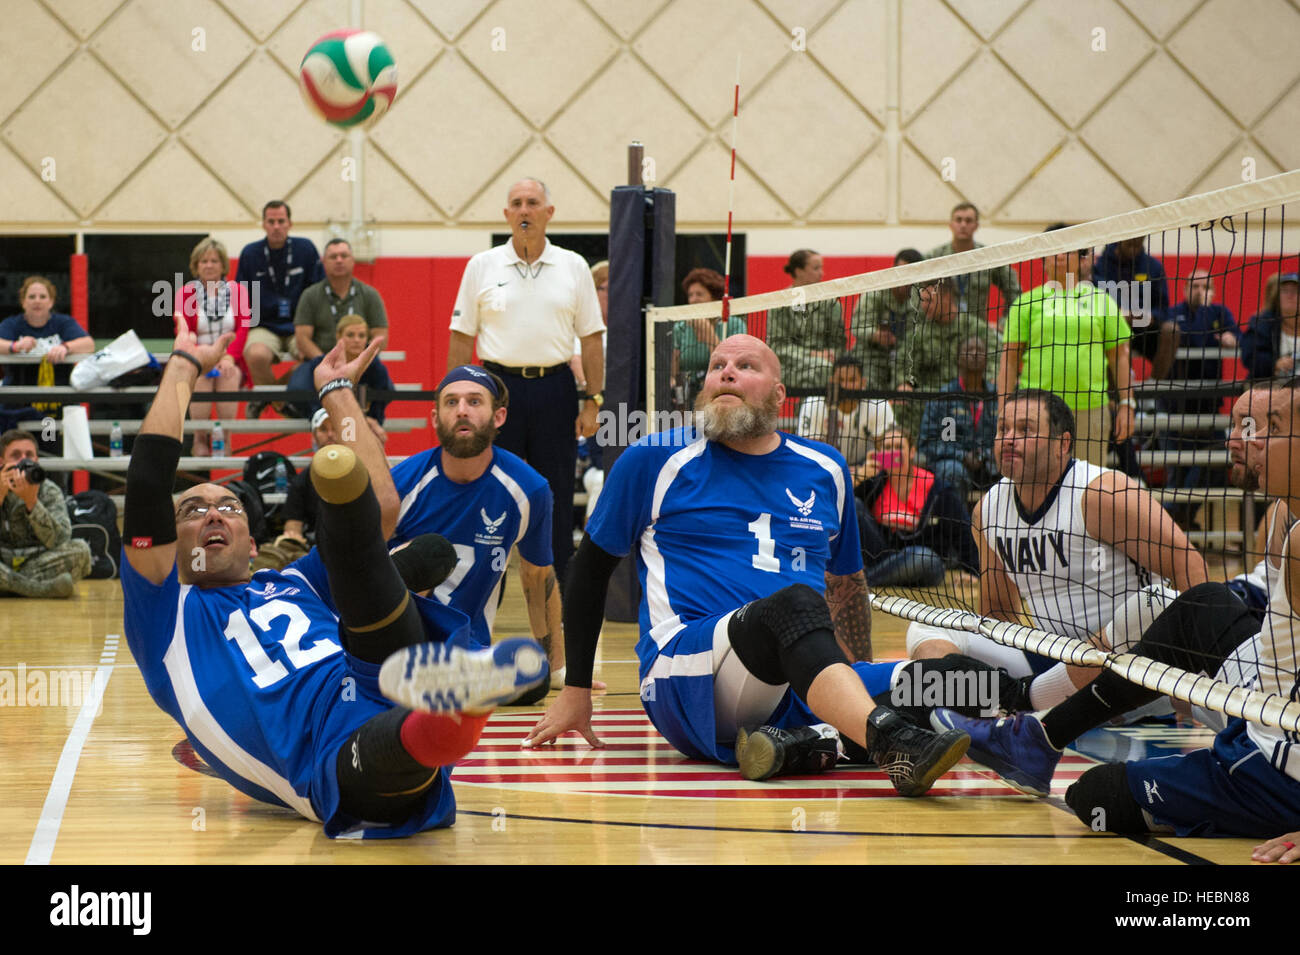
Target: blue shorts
x,y
680,703
1227,790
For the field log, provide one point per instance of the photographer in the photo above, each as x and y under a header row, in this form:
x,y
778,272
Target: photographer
x,y
911,525
38,555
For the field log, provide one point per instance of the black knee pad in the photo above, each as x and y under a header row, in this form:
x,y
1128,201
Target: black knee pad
x,y
787,637
376,775
1102,801
1199,630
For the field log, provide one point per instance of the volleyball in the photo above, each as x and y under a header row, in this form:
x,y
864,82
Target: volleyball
x,y
348,77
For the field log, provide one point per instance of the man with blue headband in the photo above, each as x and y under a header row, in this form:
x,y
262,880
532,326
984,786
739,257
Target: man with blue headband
x,y
484,500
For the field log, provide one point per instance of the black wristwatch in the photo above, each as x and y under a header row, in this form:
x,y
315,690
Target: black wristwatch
x,y
598,398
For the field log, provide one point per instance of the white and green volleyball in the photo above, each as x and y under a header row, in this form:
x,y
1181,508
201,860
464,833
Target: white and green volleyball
x,y
348,77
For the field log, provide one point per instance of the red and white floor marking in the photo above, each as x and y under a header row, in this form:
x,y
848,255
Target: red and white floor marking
x,y
637,761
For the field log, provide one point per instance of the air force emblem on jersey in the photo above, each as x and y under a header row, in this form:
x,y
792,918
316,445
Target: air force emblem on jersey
x,y
803,507
802,520
489,534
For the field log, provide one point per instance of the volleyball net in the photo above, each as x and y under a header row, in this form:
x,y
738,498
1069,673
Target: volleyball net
x,y
986,516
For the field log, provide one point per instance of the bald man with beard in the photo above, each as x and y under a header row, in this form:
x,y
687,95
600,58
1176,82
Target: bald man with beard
x,y
754,600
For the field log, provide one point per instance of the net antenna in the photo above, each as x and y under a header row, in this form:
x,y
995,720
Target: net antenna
x,y
731,198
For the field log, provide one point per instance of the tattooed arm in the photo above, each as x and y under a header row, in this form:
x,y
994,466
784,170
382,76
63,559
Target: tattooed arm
x,y
846,596
542,597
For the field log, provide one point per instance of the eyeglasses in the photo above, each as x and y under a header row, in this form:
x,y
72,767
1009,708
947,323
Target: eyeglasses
x,y
190,511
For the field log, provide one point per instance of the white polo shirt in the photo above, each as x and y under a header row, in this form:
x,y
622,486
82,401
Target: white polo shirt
x,y
526,315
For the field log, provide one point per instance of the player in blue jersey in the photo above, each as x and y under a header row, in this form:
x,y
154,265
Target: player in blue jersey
x,y
754,600
285,682
484,500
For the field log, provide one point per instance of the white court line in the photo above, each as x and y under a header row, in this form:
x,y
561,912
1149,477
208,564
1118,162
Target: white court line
x,y
56,800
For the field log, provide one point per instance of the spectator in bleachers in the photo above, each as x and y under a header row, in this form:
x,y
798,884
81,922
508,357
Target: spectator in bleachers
x,y
1083,365
282,266
39,557
694,341
927,360
879,322
339,293
807,336
857,422
39,330
911,524
352,331
212,306
1202,323
301,505
1137,281
972,290
957,433
1271,344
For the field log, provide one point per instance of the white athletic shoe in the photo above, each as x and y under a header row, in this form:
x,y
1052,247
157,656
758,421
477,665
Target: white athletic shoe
x,y
439,678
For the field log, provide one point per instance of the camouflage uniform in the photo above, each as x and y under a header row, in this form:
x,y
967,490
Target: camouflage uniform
x,y
972,290
795,335
37,546
927,359
876,311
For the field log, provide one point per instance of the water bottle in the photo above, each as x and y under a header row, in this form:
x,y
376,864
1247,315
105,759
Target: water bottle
x,y
281,477
115,441
218,441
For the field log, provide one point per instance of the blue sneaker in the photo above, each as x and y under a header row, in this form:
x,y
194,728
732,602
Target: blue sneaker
x,y
1015,747
440,678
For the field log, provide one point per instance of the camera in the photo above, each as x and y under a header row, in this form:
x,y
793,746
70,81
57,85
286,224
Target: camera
x,y
31,469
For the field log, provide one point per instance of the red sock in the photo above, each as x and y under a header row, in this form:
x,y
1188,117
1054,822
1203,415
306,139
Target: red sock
x,y
434,739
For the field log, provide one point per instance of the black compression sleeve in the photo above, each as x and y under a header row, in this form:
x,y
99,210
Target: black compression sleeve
x,y
584,610
150,518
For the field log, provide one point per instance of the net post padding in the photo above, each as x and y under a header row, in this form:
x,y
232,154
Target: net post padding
x,y
1267,709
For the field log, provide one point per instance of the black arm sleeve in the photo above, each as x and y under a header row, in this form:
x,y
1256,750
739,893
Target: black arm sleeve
x,y
584,610
150,478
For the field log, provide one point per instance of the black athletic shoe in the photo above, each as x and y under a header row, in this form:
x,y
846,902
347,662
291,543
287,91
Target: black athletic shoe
x,y
254,409
769,752
912,757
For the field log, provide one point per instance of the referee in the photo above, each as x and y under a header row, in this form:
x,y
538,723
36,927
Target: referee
x,y
524,303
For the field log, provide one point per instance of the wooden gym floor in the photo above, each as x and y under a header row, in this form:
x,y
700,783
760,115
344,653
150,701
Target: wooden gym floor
x,y
117,784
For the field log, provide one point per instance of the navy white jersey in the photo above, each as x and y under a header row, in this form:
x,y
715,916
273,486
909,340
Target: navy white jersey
x,y
1070,583
256,676
714,529
509,505
1279,673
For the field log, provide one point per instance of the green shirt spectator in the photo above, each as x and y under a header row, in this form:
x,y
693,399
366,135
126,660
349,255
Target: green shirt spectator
x,y
338,294
1065,334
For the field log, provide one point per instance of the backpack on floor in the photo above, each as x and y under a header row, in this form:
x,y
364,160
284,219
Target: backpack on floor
x,y
260,473
94,520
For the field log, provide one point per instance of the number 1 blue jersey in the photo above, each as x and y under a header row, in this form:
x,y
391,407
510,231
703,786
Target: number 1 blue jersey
x,y
255,675
714,529
510,504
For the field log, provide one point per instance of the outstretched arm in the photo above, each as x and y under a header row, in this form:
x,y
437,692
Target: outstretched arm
x,y
152,471
352,428
542,598
584,612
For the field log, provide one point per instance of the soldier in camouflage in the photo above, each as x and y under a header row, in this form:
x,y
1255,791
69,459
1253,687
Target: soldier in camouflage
x,y
972,291
38,555
880,322
927,358
806,336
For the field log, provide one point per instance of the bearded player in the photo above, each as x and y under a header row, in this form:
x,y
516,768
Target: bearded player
x,y
754,600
